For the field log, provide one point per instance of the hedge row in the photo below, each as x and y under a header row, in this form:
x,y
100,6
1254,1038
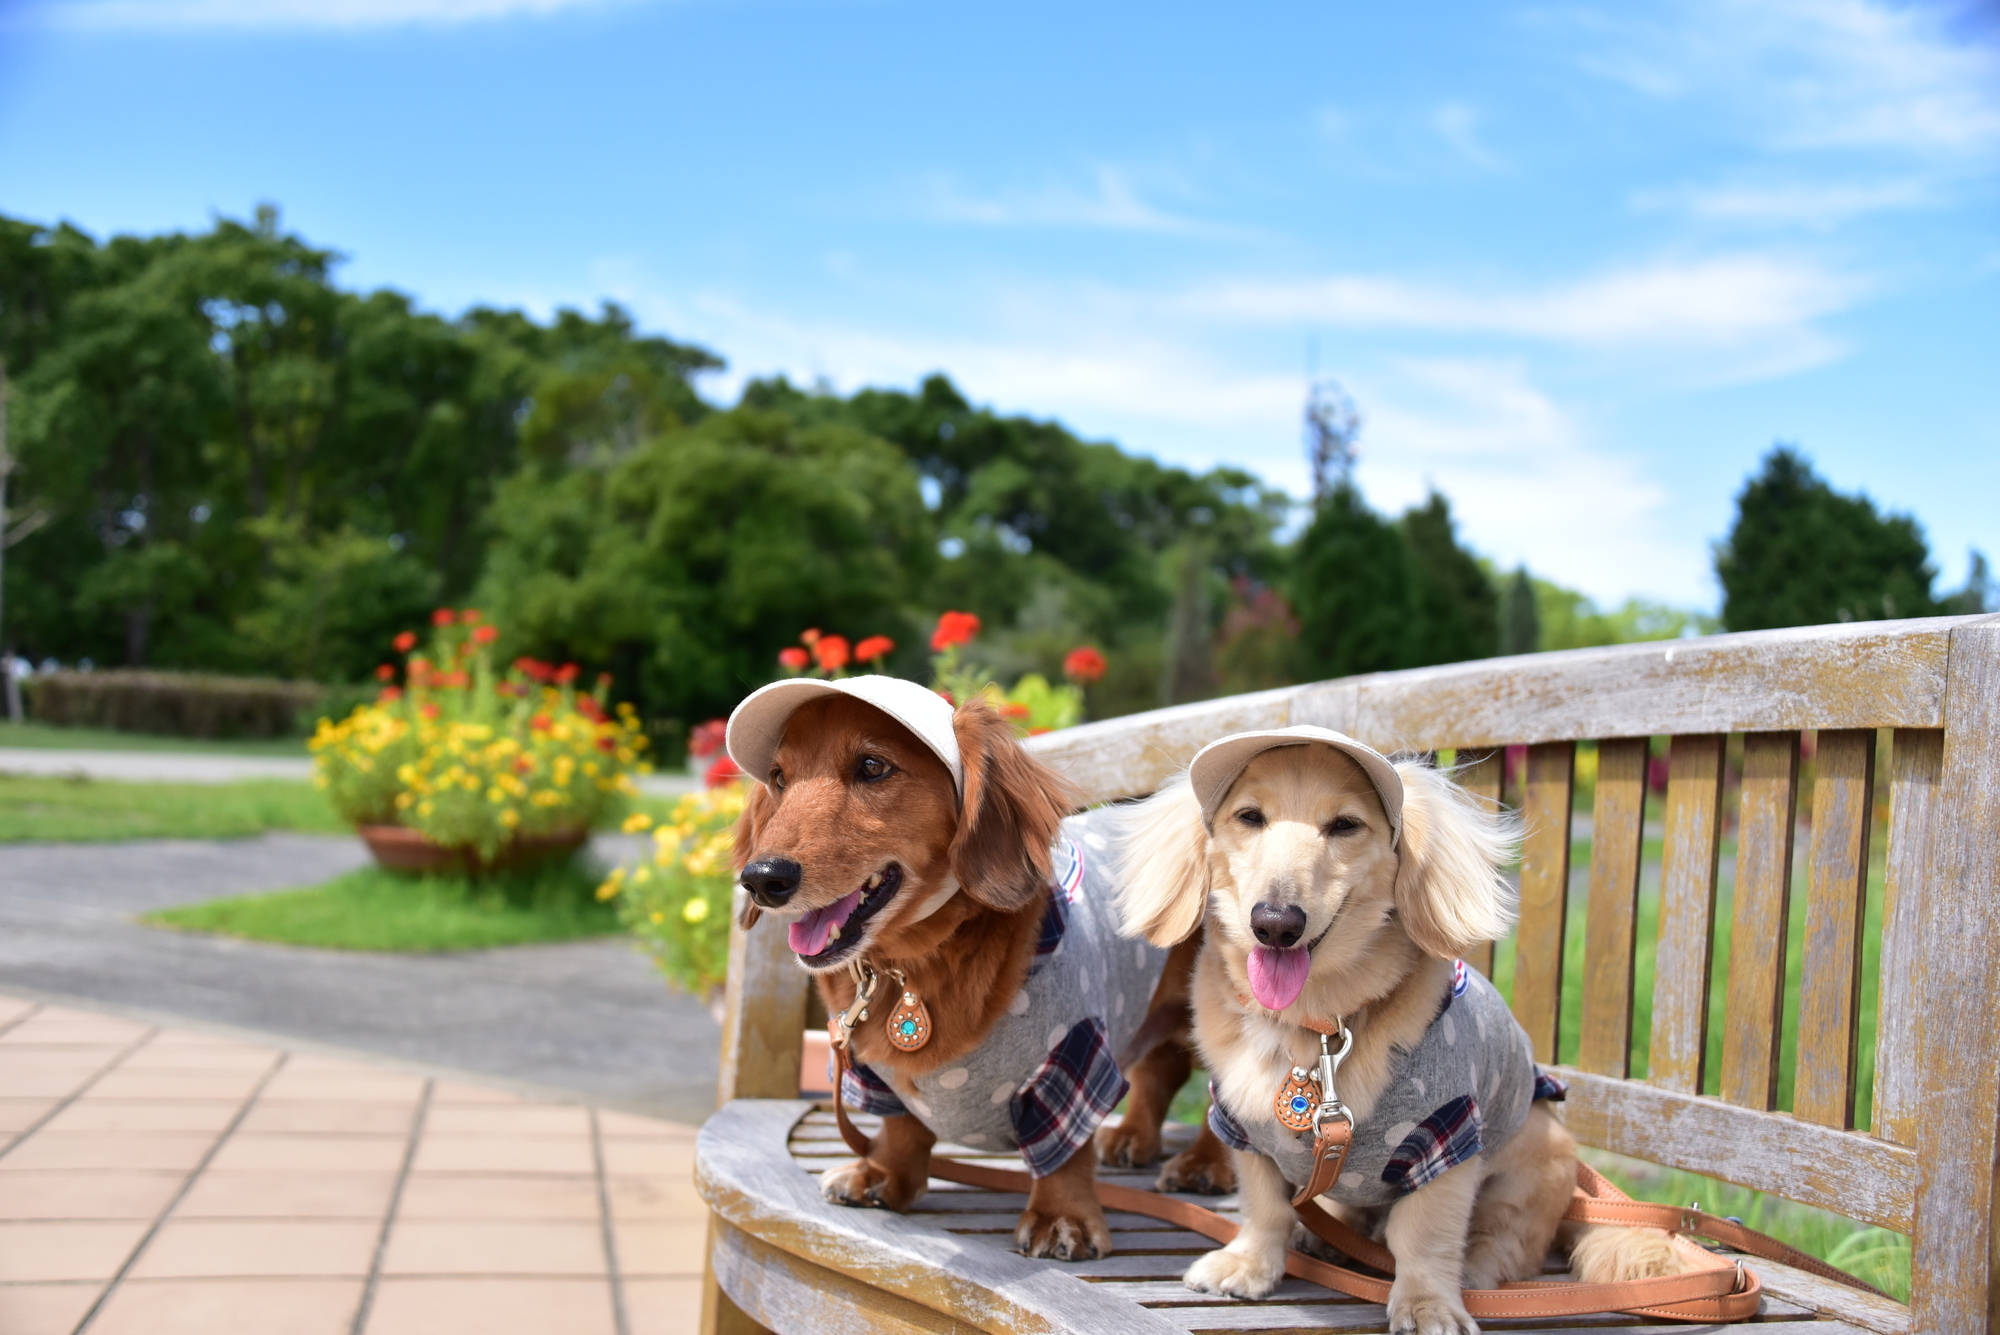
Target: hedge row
x,y
179,704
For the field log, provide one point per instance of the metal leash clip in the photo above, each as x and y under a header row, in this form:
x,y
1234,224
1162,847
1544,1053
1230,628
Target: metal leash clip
x,y
1330,1105
865,978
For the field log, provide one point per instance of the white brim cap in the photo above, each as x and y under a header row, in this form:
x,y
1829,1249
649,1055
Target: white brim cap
x,y
1217,766
758,724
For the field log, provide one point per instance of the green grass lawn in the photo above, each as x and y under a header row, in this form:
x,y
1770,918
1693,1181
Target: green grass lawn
x,y
87,810
371,909
42,737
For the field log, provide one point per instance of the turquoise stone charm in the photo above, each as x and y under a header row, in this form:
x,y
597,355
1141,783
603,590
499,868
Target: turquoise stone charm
x,y
909,1024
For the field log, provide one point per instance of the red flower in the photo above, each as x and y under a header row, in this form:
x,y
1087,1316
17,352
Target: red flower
x,y
461,680
1011,709
469,617
604,679
405,642
486,635
722,771
429,709
385,673
390,694
873,649
809,637
522,764
832,652
1083,665
565,674
442,617
954,628
794,658
506,688
707,738
606,745
541,723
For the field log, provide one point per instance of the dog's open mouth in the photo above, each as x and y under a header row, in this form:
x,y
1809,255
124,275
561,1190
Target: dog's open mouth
x,y
1278,976
826,935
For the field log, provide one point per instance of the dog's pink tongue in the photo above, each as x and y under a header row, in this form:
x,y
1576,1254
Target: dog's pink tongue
x,y
1276,976
809,934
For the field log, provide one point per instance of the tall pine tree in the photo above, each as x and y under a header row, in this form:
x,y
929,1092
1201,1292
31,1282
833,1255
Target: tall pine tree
x,y
1456,613
1351,589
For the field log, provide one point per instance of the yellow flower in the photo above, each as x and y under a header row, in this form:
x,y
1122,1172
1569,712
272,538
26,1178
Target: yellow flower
x,y
659,917
612,883
495,796
510,818
694,910
637,823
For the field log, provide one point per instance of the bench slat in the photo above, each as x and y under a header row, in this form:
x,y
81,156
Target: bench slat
x,y
1484,775
1548,798
1617,845
1687,912
1916,761
1830,979
1753,1020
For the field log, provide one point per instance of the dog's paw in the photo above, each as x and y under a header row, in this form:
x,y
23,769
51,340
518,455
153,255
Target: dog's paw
x,y
1198,1170
1427,1311
863,1184
1127,1145
1237,1274
1062,1237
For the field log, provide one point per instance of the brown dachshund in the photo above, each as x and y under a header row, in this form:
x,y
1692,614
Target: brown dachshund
x,y
883,827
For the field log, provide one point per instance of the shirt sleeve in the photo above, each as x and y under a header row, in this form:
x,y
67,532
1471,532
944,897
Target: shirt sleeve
x,y
1445,1139
1226,1128
865,1091
1068,1097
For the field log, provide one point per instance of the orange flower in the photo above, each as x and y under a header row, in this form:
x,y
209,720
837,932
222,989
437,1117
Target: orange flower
x,y
469,617
390,694
874,649
832,652
1083,665
541,723
565,674
429,709
954,628
486,635
405,642
442,617
1011,709
385,673
809,637
794,658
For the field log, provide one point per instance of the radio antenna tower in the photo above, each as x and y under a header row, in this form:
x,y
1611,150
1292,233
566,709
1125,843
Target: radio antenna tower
x,y
1333,424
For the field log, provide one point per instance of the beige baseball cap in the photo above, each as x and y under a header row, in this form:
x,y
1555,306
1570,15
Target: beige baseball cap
x,y
758,724
1217,767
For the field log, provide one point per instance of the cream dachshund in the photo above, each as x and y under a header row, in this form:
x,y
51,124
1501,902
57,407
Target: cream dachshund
x,y
1338,890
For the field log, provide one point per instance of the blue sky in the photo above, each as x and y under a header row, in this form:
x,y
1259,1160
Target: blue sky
x,y
1580,265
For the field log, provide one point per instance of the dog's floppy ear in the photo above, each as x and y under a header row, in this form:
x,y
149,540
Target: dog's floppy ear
x,y
1449,890
1011,811
1162,866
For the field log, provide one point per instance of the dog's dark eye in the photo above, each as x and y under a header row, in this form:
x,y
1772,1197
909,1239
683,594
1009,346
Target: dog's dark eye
x,y
1252,817
1342,825
777,780
872,769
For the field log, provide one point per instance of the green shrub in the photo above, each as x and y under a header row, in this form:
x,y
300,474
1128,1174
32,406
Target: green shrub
x,y
178,704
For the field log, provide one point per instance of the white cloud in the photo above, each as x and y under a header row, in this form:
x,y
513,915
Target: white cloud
x,y
324,14
1112,202
1723,303
1458,125
1819,205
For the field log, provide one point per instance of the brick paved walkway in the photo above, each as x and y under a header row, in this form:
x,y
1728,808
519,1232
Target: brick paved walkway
x,y
159,1181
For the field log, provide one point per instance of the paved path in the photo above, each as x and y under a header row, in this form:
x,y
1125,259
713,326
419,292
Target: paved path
x,y
215,767
165,1182
590,1018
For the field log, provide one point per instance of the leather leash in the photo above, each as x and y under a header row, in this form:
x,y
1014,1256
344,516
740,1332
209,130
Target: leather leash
x,y
1718,1290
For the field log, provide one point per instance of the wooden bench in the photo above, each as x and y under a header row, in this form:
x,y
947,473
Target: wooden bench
x,y
1925,692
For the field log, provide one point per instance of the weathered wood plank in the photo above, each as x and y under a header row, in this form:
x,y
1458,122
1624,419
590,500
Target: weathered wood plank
x,y
1952,1286
1753,1020
1687,913
1617,844
1916,761
1547,799
791,1296
766,1014
1836,893
1484,775
744,1172
1829,1298
1879,674
1849,1172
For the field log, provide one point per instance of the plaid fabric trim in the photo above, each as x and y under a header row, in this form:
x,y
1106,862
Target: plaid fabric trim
x,y
1445,1139
1069,1095
1225,1127
1054,923
865,1091
1550,1088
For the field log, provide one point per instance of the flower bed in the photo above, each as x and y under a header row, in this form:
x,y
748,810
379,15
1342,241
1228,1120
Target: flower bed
x,y
475,760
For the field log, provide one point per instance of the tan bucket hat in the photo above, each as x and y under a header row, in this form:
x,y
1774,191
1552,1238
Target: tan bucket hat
x,y
758,724
1217,767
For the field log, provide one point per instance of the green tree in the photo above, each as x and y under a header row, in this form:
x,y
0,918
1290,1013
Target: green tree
x,y
1455,610
1520,625
1350,588
1800,553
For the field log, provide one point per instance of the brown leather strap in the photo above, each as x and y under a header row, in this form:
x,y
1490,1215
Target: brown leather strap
x,y
1330,1144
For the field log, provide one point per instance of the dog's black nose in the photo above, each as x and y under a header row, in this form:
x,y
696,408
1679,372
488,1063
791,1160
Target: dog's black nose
x,y
1275,926
772,881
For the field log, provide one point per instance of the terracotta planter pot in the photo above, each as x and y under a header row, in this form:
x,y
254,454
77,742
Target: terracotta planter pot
x,y
397,848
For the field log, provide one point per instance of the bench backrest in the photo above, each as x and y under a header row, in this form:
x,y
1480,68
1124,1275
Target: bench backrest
x,y
1926,1165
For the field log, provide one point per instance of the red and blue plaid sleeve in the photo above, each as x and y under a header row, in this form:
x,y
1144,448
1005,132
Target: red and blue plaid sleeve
x,y
1070,1094
1226,1128
1445,1139
865,1091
